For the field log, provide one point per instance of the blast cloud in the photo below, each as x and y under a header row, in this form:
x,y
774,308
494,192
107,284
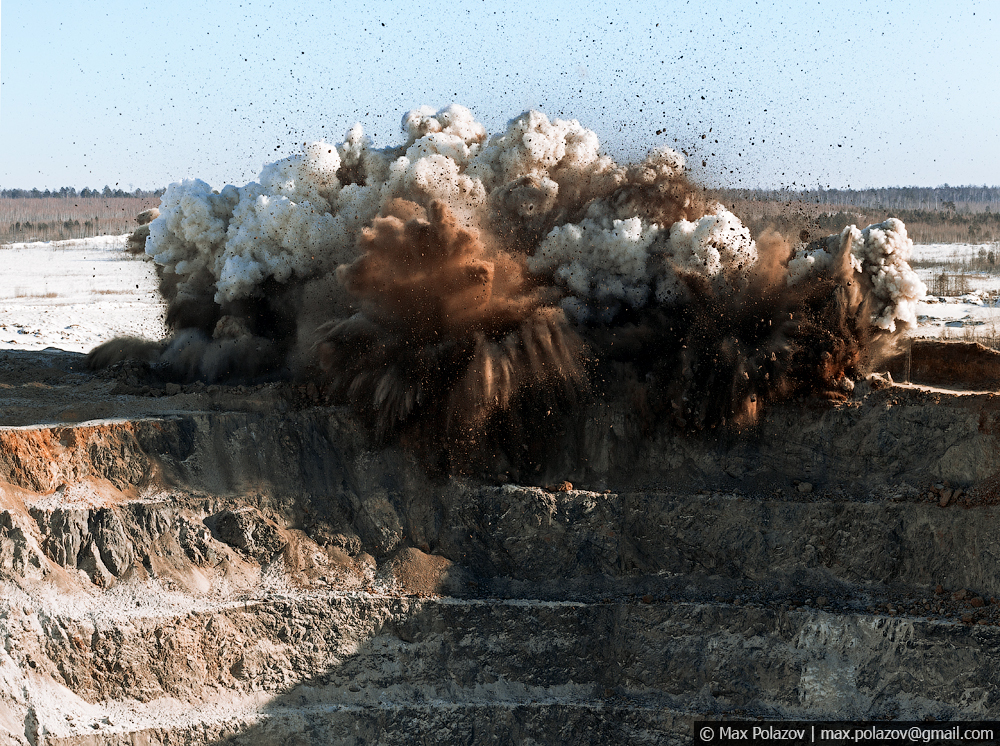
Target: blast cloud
x,y
879,256
460,290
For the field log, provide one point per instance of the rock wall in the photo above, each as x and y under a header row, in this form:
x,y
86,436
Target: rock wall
x,y
243,577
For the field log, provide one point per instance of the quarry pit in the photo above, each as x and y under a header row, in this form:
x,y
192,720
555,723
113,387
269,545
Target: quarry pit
x,y
487,439
238,565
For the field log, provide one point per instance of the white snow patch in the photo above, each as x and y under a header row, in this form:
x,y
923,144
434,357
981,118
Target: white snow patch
x,y
76,294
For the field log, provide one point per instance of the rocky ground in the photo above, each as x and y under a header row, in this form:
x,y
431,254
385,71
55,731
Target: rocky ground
x,y
238,565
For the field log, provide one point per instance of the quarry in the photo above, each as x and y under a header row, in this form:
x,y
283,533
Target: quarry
x,y
213,564
488,439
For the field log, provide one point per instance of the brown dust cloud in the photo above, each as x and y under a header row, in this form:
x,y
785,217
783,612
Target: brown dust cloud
x,y
461,293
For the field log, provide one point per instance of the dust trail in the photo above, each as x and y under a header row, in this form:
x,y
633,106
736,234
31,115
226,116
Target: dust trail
x,y
461,291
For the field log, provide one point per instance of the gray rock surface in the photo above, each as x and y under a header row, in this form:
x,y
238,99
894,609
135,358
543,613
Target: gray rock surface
x,y
246,574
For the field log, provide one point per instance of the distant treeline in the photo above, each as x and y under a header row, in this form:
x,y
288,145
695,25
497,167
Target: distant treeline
x,y
932,215
41,219
925,226
955,198
807,221
943,214
70,193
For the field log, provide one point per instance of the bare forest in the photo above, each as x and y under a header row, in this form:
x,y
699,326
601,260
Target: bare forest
x,y
939,215
60,218
932,215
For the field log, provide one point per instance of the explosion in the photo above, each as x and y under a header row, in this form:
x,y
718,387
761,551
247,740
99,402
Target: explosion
x,y
459,292
450,334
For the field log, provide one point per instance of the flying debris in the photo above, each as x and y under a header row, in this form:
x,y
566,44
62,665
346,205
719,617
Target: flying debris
x,y
463,293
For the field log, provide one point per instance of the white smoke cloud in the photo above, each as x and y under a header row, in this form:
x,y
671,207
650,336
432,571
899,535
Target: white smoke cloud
x,y
716,246
562,156
454,287
660,163
452,124
304,215
880,254
603,263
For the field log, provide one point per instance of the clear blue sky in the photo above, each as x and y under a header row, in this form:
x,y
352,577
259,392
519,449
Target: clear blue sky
x,y
835,92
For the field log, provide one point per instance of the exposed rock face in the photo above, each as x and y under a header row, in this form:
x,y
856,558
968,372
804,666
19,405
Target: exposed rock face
x,y
230,569
247,530
940,363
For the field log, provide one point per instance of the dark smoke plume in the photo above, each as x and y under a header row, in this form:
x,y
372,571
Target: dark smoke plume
x,y
461,293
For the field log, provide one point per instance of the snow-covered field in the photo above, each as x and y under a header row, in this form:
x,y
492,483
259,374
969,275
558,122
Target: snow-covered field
x,y
944,253
974,314
76,294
